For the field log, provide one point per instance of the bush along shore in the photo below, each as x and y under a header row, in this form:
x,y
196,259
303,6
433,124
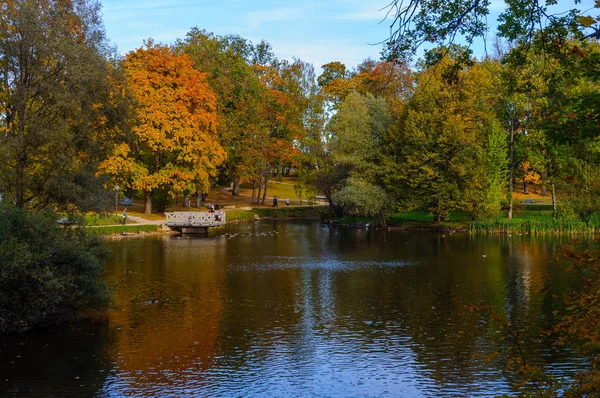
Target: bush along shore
x,y
49,272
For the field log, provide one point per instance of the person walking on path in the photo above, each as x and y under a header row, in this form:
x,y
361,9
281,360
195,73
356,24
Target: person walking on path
x,y
275,201
124,216
287,202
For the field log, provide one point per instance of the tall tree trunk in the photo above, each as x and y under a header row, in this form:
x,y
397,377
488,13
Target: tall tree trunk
x,y
525,187
198,199
20,186
554,205
331,205
235,190
253,201
382,220
260,186
544,178
552,186
266,186
511,150
21,160
148,203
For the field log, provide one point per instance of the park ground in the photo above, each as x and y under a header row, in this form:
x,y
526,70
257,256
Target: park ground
x,y
531,209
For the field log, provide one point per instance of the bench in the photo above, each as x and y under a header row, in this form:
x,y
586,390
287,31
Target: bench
x,y
127,201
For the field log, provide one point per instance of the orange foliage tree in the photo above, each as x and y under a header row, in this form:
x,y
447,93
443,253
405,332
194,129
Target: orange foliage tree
x,y
171,144
281,113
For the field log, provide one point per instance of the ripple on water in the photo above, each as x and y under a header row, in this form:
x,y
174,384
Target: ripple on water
x,y
318,263
291,309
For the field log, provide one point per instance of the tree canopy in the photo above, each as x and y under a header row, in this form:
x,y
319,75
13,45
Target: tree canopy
x,y
415,23
172,141
54,74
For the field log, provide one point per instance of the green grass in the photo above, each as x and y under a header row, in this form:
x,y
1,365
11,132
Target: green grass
x,y
415,218
282,189
136,229
94,219
289,212
536,207
239,215
420,216
280,212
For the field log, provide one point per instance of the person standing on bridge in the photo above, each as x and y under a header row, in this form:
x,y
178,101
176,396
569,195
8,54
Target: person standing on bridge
x,y
124,216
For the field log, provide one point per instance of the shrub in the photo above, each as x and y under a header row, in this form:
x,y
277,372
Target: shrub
x,y
49,272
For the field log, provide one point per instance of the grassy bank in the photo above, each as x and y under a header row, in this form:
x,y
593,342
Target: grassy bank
x,y
119,229
532,219
104,219
279,212
416,219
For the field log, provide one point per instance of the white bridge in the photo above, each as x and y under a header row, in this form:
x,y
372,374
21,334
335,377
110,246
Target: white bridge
x,y
194,222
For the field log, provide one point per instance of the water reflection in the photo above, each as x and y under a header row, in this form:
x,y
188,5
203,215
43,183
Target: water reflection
x,y
299,309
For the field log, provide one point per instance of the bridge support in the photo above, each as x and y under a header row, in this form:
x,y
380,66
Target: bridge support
x,y
194,230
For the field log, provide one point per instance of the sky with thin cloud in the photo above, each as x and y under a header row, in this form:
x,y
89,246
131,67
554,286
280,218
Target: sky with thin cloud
x,y
318,32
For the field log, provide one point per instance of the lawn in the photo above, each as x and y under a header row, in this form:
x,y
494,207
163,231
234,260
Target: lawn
x,y
283,189
119,229
94,219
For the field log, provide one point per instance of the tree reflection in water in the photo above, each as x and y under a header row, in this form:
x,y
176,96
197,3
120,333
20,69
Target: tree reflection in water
x,y
295,308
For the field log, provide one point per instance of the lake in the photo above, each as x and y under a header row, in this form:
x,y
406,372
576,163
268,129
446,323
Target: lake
x,y
297,309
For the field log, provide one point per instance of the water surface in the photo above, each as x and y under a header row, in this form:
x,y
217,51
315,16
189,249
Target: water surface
x,y
298,309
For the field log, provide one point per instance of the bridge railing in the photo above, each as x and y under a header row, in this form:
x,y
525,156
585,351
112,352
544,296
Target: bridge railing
x,y
194,219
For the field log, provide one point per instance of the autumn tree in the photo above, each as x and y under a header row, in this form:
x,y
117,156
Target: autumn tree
x,y
171,143
53,100
239,93
391,80
281,113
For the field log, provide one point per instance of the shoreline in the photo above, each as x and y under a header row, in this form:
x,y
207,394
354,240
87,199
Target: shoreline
x,y
527,227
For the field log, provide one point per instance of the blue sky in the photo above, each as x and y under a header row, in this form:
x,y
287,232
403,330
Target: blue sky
x,y
314,31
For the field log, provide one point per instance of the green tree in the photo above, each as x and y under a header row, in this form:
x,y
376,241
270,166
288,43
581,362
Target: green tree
x,y
488,189
54,96
359,129
437,144
49,273
417,22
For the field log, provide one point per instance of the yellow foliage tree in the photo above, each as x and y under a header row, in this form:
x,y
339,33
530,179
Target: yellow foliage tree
x,y
172,143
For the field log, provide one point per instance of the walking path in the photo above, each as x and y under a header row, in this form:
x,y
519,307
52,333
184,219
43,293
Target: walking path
x,y
143,221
